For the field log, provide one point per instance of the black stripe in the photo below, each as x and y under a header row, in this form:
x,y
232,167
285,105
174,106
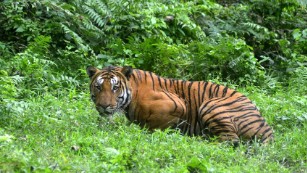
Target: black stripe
x,y
182,90
187,124
205,106
216,90
215,99
171,82
159,80
127,116
165,83
268,136
210,92
247,115
128,95
242,133
224,91
204,92
226,104
221,112
190,115
241,122
196,116
258,129
264,137
242,108
248,124
198,94
233,93
152,79
218,132
189,90
170,97
135,79
267,130
221,126
175,87
183,106
219,122
216,105
103,73
230,136
178,91
220,119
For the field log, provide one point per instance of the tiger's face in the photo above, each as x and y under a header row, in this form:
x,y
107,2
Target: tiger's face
x,y
110,89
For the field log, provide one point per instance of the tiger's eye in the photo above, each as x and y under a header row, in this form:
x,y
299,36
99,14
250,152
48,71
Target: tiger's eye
x,y
115,88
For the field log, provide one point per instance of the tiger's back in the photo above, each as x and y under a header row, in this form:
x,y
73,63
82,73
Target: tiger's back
x,y
194,107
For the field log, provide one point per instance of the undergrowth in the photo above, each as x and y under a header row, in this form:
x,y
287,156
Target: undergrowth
x,y
63,133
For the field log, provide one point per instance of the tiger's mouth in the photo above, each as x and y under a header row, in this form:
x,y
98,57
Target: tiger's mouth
x,y
105,112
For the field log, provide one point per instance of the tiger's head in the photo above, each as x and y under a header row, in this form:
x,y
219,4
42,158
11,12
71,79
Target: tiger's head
x,y
110,88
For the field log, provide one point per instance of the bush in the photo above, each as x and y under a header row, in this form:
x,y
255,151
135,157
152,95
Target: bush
x,y
228,58
245,42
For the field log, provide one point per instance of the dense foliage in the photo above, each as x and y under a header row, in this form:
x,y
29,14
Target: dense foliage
x,y
257,46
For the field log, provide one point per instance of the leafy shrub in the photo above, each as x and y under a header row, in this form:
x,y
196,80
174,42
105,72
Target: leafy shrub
x,y
198,40
154,55
7,86
298,80
229,58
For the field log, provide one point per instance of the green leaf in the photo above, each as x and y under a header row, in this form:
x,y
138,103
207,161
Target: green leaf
x,y
20,29
296,34
153,21
6,138
196,165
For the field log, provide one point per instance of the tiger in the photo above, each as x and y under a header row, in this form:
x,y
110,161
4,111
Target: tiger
x,y
196,108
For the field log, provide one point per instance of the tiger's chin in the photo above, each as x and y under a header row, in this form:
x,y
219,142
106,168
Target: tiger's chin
x,y
106,114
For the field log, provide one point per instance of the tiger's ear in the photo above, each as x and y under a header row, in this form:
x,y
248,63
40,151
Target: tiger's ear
x,y
127,71
91,71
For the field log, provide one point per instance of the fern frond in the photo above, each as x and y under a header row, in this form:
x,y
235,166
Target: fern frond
x,y
91,30
102,8
77,39
93,15
254,26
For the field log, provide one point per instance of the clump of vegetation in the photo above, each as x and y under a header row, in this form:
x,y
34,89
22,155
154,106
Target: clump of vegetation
x,y
47,122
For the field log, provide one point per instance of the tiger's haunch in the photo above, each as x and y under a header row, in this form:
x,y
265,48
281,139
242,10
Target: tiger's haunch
x,y
194,107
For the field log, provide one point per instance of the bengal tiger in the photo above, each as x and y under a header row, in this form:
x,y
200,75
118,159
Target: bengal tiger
x,y
195,107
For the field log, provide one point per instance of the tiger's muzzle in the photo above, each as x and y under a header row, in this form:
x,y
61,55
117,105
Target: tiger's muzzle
x,y
105,110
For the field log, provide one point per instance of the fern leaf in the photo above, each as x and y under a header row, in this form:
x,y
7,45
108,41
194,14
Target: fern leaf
x,y
94,16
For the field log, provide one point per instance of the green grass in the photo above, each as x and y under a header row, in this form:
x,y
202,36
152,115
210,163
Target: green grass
x,y
48,133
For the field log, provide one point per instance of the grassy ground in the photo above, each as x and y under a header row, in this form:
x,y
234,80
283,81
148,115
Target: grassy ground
x,y
48,133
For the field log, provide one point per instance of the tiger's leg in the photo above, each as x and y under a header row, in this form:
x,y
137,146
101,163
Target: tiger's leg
x,y
218,121
235,117
224,130
160,110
